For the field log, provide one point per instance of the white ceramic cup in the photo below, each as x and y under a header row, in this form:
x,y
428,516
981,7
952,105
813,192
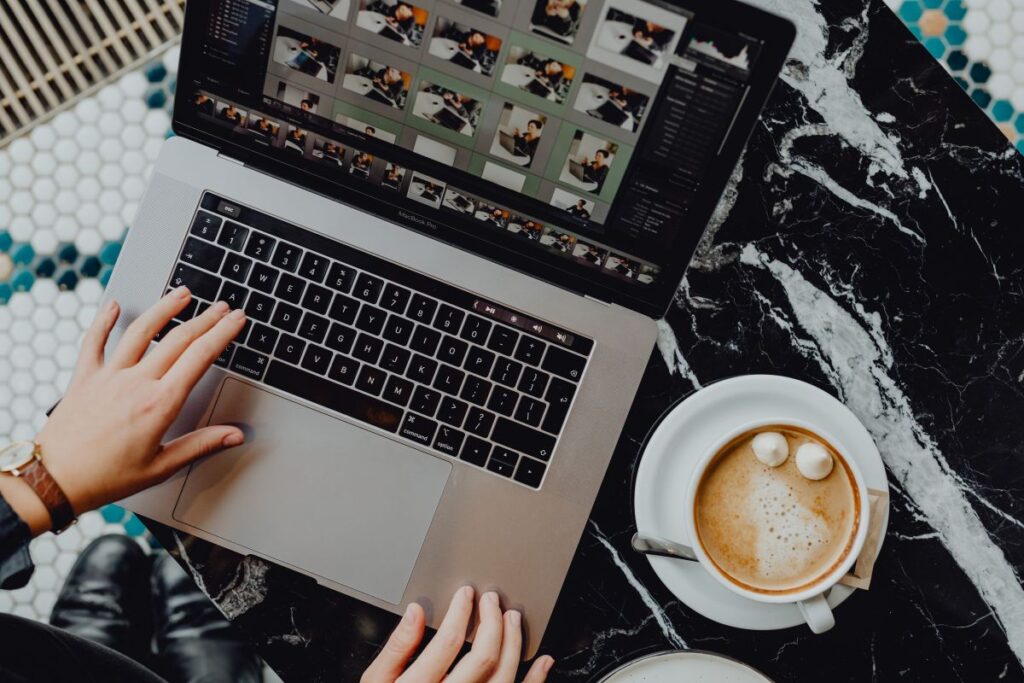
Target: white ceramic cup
x,y
812,600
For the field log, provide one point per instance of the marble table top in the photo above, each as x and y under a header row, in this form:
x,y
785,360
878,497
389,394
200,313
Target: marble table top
x,y
867,244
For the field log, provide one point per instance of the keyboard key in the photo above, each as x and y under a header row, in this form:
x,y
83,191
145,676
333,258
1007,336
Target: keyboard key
x,y
452,350
236,267
314,327
395,359
341,337
317,299
202,254
529,411
449,319
476,329
448,379
244,334
344,370
479,422
503,340
530,350
425,340
503,401
290,349
201,308
286,257
421,369
340,277
290,288
317,359
503,461
263,278
395,298
232,236
333,396
314,267
259,306
397,329
449,441
475,451
371,319
249,363
202,285
259,246
418,429
343,309
368,287
422,309
524,439
371,380
398,390
368,348
425,400
559,398
206,225
506,372
189,311
533,382
479,361
476,390
233,295
452,411
530,472
225,356
286,317
263,338
563,363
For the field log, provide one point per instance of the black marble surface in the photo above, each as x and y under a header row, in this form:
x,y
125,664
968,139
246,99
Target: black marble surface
x,y
870,244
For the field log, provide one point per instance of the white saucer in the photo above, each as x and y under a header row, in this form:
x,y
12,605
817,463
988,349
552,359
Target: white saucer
x,y
692,666
686,433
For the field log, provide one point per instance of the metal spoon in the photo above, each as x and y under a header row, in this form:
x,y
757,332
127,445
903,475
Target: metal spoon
x,y
649,545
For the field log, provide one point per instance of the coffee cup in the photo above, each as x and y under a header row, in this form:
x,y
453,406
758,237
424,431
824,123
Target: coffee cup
x,y
791,524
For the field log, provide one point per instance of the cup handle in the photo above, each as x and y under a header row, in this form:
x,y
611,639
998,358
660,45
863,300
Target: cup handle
x,y
817,613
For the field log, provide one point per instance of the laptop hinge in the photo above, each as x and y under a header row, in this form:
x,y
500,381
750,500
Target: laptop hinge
x,y
224,156
600,301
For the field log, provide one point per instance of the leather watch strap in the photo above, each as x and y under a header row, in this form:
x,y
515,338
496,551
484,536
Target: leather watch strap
x,y
38,477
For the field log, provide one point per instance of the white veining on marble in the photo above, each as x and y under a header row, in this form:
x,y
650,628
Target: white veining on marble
x,y
247,588
855,355
668,345
664,623
193,568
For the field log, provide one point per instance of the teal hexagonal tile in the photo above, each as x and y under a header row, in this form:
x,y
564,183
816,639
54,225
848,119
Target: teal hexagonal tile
x,y
981,97
68,280
935,46
105,276
23,254
932,4
67,253
1002,111
90,267
133,527
112,514
980,73
156,98
955,10
910,10
956,60
109,253
6,292
6,242
1019,124
955,35
23,280
156,72
46,267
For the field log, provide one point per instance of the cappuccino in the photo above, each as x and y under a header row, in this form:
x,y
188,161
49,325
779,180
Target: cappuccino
x,y
770,529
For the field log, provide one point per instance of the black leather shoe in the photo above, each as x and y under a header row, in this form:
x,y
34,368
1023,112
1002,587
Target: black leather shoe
x,y
194,642
106,597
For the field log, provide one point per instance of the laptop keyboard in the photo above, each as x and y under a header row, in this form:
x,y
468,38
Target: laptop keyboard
x,y
382,344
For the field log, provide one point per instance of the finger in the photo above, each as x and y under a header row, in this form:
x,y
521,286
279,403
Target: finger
x,y
140,333
170,348
201,353
511,649
444,647
194,445
401,646
483,657
95,340
538,673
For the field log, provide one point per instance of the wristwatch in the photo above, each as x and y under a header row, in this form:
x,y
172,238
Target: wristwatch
x,y
24,459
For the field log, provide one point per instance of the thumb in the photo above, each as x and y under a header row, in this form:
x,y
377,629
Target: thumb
x,y
401,646
194,445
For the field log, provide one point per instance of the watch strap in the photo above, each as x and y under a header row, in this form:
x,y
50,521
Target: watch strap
x,y
38,478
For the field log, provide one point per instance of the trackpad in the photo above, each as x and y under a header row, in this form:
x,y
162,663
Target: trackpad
x,y
312,491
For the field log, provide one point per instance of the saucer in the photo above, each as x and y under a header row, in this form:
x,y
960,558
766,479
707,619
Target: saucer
x,y
685,434
692,666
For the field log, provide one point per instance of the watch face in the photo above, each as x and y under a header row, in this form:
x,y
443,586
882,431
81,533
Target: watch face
x,y
16,455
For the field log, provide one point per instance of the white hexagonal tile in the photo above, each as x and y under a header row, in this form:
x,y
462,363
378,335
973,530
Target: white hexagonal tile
x,y
88,137
5,189
44,164
45,577
88,163
133,137
111,150
65,124
133,188
134,162
6,425
44,189
20,305
133,85
45,241
66,227
90,292
66,202
44,550
21,228
89,188
88,214
66,176
111,176
68,330
157,122
21,151
44,602
128,212
23,408
111,227
111,98
65,560
21,383
21,203
43,137
88,110
89,241
70,539
66,150
134,111
22,177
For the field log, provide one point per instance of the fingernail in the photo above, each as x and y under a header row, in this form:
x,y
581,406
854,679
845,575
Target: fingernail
x,y
548,663
181,292
234,439
467,591
408,614
220,308
491,597
237,314
110,306
515,617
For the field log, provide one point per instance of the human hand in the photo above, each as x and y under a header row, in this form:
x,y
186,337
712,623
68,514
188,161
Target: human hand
x,y
102,442
493,658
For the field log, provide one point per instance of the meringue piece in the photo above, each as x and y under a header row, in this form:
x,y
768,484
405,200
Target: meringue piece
x,y
813,461
771,448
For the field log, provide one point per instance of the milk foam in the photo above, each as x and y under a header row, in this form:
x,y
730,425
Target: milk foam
x,y
790,537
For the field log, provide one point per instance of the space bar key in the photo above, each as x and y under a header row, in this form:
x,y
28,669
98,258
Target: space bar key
x,y
333,396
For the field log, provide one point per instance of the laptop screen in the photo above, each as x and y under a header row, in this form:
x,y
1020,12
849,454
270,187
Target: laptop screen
x,y
587,135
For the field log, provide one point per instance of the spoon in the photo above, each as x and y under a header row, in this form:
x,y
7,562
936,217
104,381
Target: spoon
x,y
650,545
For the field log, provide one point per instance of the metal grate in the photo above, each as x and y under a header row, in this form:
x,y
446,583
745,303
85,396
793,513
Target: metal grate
x,y
53,52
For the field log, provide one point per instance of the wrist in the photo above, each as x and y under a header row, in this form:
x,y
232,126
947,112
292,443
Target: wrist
x,y
26,504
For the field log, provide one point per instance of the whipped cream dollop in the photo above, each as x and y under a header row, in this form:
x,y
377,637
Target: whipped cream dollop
x,y
813,461
771,448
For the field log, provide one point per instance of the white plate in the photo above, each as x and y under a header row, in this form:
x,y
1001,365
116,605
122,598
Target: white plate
x,y
686,433
691,666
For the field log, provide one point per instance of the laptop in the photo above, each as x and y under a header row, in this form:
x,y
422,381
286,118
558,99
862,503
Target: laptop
x,y
429,400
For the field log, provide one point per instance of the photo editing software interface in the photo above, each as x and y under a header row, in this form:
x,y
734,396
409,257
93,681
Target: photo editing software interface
x,y
580,128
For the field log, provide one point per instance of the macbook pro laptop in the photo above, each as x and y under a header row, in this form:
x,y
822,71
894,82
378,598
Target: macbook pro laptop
x,y
429,400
